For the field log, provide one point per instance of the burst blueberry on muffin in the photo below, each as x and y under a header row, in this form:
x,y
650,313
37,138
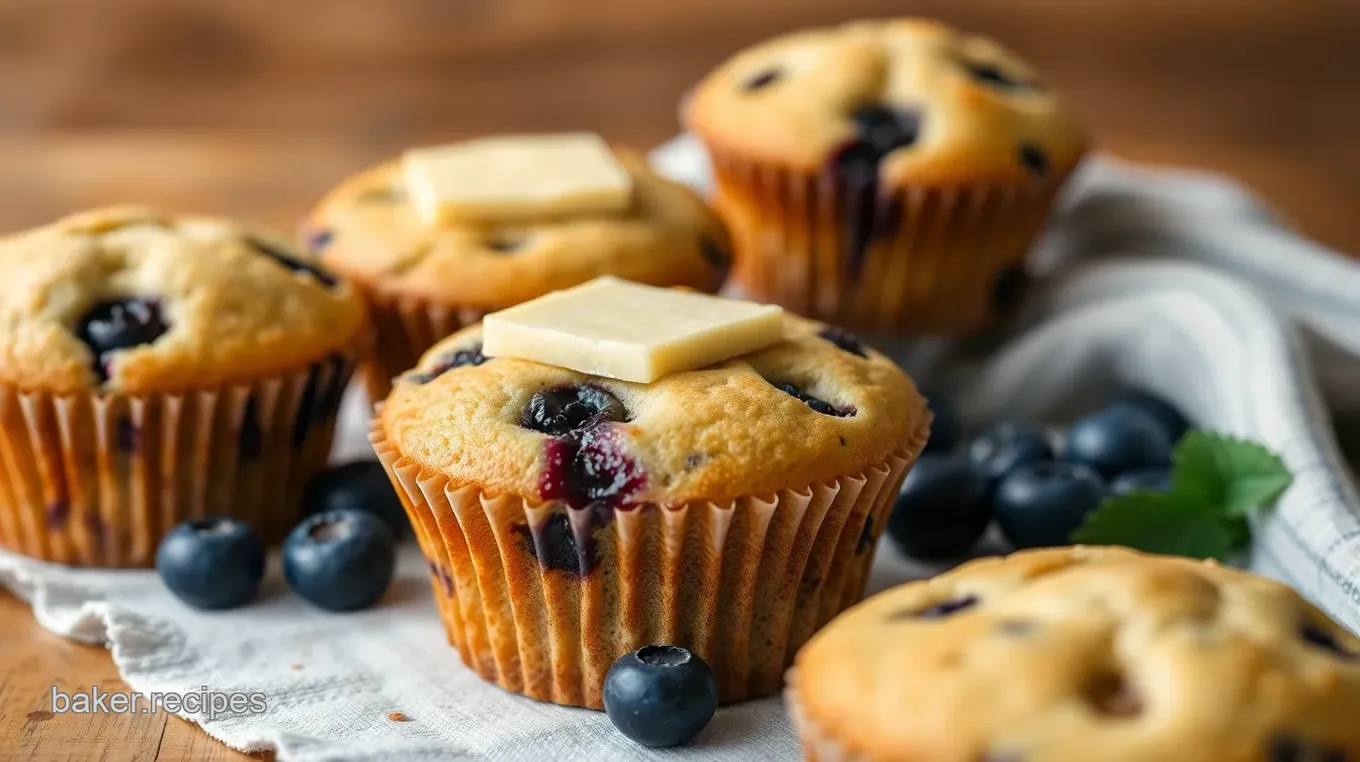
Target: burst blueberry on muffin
x,y
570,518
1076,654
428,274
156,368
888,176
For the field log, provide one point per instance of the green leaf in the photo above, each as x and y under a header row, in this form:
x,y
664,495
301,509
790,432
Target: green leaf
x,y
1157,522
1230,475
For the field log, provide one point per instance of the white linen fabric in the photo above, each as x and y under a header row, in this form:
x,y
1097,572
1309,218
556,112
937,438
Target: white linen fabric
x,y
1174,281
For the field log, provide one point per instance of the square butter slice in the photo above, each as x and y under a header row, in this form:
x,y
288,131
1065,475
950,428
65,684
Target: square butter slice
x,y
618,329
516,178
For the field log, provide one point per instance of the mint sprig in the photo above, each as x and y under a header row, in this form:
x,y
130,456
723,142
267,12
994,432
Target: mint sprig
x,y
1216,481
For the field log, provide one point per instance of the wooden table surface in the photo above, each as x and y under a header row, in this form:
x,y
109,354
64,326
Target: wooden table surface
x,y
254,107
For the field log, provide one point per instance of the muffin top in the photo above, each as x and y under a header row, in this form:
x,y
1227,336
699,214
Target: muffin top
x,y
932,104
799,412
368,229
1075,654
125,299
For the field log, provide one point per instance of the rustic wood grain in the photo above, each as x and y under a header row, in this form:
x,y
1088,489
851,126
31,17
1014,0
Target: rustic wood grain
x,y
254,107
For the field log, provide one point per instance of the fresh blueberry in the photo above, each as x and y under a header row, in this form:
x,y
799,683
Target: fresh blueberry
x,y
945,429
1039,505
359,486
119,324
1151,479
340,560
1002,448
565,409
1118,439
660,695
1172,421
816,403
211,563
942,509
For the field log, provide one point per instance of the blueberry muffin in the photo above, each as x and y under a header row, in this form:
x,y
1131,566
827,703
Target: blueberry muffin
x,y
569,519
1077,654
426,281
889,176
157,368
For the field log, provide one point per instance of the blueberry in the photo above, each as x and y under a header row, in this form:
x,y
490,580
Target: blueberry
x,y
886,129
565,409
1033,159
844,340
1172,421
1002,448
1323,639
211,563
119,324
1118,439
359,486
1040,504
990,74
590,466
471,355
1151,479
945,429
762,80
660,695
340,560
879,131
942,509
291,261
816,403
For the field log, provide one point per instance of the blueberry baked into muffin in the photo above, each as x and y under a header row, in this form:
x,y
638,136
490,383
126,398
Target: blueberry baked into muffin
x,y
571,518
156,368
1081,653
426,275
889,176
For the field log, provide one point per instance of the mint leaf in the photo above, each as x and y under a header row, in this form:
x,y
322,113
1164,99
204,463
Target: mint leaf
x,y
1157,522
1229,475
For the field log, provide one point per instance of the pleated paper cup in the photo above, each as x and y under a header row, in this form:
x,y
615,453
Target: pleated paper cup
x,y
541,598
940,260
406,327
99,479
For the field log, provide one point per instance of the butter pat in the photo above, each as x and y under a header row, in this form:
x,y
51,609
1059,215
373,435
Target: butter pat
x,y
617,329
515,179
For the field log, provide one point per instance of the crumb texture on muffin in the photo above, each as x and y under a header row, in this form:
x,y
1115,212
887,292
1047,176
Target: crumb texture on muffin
x,y
368,229
940,105
1081,654
804,411
129,300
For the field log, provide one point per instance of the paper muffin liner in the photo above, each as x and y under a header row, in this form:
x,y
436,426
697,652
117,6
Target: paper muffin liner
x,y
406,327
743,584
941,260
99,479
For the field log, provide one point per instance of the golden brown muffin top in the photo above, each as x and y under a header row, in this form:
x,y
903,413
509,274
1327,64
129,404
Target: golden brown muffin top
x,y
945,106
511,426
1076,654
129,300
367,229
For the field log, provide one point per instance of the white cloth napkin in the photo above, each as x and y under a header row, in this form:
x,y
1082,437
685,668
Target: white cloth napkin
x,y
1206,300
